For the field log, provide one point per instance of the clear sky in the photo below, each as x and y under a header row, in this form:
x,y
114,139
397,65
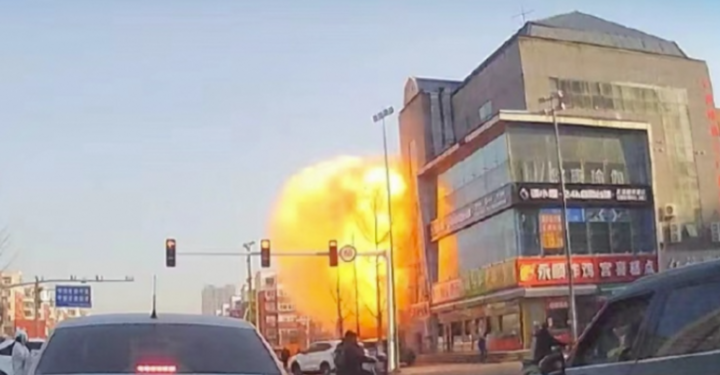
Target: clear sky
x,y
123,122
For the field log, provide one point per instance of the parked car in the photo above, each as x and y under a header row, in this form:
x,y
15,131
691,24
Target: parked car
x,y
667,323
6,347
319,358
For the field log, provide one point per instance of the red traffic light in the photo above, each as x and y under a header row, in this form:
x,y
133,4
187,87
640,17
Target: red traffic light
x,y
265,253
170,256
333,253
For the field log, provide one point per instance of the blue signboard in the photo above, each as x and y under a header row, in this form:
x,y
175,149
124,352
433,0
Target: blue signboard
x,y
73,296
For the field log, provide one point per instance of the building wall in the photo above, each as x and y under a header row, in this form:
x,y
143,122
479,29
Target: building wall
x,y
499,81
214,297
688,152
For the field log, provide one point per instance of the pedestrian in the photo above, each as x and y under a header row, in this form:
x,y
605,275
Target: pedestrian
x,y
20,354
285,357
544,343
482,345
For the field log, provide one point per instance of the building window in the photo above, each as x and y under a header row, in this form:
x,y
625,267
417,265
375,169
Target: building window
x,y
593,230
485,111
484,171
590,155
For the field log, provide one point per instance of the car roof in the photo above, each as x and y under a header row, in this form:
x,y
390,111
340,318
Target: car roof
x,y
140,318
670,278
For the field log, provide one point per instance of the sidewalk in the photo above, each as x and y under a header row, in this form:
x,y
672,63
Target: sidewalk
x,y
470,357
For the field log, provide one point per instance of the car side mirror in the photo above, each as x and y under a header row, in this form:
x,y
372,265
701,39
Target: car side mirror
x,y
553,363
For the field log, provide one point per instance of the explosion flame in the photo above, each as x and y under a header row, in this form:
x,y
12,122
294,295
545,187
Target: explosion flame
x,y
344,199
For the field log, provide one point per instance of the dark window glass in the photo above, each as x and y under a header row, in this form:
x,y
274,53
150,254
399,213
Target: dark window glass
x,y
611,337
600,238
34,345
579,238
690,322
621,237
559,318
529,233
8,349
643,230
120,348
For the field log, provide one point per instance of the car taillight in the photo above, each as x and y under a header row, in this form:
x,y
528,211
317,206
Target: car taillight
x,y
155,369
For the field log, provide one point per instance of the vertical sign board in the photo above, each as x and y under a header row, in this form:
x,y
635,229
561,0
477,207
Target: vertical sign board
x,y
73,296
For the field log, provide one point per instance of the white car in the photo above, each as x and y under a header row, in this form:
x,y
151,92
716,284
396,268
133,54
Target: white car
x,y
319,358
162,344
6,347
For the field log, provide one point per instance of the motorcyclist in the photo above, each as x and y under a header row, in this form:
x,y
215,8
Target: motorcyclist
x,y
350,356
544,343
20,354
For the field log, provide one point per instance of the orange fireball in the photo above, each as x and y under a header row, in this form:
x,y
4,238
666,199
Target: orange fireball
x,y
344,199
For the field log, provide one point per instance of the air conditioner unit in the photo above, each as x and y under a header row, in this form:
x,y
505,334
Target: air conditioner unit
x,y
668,211
675,233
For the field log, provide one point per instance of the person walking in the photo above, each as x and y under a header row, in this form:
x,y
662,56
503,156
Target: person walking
x,y
482,345
285,357
20,354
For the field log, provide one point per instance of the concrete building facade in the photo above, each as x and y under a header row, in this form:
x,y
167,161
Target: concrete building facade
x,y
641,148
213,298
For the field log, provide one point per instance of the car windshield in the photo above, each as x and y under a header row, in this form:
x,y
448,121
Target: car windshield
x,y
34,345
186,348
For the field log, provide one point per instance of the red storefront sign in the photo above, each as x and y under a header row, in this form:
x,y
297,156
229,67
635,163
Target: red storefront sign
x,y
550,271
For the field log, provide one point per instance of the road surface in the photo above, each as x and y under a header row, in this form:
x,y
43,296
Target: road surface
x,y
510,368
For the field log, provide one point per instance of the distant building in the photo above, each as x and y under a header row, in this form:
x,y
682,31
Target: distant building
x,y
213,298
641,156
279,322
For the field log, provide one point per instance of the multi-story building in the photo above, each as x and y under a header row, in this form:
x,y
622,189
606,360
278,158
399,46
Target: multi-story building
x,y
278,320
640,152
214,297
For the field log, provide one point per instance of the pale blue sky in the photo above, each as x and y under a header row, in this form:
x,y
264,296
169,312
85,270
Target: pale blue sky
x,y
123,122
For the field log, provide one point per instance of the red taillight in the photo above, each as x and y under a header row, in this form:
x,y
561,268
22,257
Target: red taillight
x,y
156,369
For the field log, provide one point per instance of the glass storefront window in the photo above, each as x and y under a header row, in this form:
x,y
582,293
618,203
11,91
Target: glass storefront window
x,y
477,175
609,230
491,241
590,155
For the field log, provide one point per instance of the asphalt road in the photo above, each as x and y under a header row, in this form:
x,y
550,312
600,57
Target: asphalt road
x,y
511,368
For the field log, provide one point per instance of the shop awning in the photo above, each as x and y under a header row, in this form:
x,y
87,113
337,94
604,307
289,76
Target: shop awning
x,y
511,294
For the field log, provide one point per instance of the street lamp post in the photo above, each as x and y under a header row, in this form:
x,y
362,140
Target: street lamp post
x,y
393,362
248,248
556,104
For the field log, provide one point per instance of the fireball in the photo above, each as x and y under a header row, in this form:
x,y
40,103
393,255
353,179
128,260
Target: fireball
x,y
346,200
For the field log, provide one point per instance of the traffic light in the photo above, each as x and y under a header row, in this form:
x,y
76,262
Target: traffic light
x,y
332,251
170,255
265,253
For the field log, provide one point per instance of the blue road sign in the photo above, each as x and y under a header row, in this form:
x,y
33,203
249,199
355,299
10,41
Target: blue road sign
x,y
73,296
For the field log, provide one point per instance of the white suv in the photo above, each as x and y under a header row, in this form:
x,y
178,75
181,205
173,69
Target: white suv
x,y
318,357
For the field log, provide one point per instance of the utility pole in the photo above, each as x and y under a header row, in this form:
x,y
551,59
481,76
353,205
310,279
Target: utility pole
x,y
36,305
338,304
556,104
251,293
357,292
378,295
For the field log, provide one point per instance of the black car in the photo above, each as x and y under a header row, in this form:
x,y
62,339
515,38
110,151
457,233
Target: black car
x,y
667,323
